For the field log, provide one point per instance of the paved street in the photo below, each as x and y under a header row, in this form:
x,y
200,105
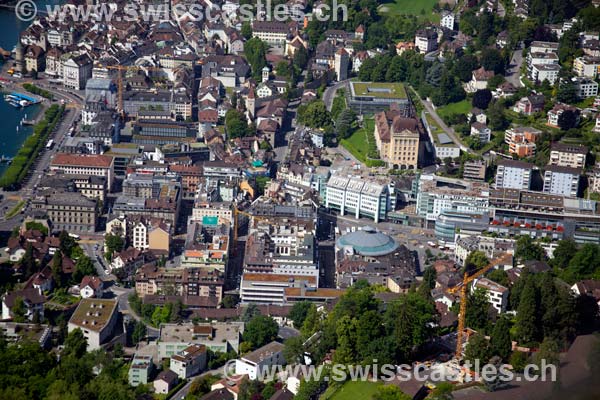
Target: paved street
x,y
330,92
513,74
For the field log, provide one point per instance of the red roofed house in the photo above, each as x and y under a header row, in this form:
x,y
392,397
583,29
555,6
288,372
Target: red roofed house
x,y
91,286
85,164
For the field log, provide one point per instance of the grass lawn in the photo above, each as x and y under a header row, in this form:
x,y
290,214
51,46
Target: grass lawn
x,y
462,107
357,144
420,8
15,210
356,390
379,89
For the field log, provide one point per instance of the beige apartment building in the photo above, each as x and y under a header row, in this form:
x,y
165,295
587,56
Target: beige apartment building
x,y
397,139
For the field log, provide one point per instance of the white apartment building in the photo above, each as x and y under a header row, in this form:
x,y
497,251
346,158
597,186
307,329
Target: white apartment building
x,y
496,293
586,87
85,164
544,72
586,66
358,196
426,40
270,32
266,288
447,20
562,181
481,131
435,195
513,174
189,362
77,71
567,155
253,363
97,319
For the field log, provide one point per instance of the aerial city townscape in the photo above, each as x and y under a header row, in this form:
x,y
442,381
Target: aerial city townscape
x,y
311,199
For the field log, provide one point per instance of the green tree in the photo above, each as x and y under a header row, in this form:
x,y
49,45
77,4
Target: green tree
x,y
28,261
563,253
255,51
294,350
390,392
298,313
567,92
56,267
442,391
66,242
482,98
250,390
478,348
475,261
139,332
246,30
75,344
549,351
230,301
113,244
260,331
527,325
19,310
492,60
84,266
250,312
314,115
236,124
567,120
478,309
527,249
500,342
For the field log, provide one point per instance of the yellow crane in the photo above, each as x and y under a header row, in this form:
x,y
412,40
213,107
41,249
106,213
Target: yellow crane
x,y
120,69
463,287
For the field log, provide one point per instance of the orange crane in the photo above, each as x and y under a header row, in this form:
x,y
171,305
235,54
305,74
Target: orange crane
x,y
462,287
120,69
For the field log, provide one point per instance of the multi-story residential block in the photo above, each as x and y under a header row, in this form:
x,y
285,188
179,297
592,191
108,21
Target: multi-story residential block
x,y
434,195
220,337
562,180
513,174
568,155
360,197
426,40
397,139
85,164
474,170
140,369
544,72
447,20
206,244
68,211
492,247
189,362
586,87
496,293
521,140
221,210
187,282
267,288
142,233
34,58
97,319
174,102
557,110
586,66
530,104
253,363
271,32
481,132
76,71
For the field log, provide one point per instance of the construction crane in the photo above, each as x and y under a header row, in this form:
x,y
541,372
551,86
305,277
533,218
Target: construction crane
x,y
463,287
120,69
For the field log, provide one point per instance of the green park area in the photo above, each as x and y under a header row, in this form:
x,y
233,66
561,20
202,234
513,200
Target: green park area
x,y
408,7
352,390
362,145
462,107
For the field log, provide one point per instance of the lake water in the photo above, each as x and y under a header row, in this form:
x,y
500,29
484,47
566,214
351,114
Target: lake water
x,y
11,139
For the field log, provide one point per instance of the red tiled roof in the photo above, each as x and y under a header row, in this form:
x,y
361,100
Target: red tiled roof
x,y
80,160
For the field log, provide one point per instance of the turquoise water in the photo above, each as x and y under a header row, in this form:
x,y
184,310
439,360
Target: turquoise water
x,y
11,139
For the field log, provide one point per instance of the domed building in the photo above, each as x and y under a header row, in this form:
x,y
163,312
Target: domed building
x,y
367,242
